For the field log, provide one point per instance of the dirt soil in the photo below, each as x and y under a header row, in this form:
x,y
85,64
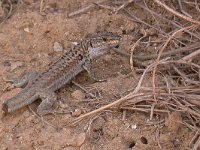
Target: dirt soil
x,y
27,43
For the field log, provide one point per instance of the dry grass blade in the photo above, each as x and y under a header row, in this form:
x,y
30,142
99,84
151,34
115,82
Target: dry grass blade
x,y
117,102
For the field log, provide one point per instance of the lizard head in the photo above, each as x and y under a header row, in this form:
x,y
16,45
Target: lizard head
x,y
101,42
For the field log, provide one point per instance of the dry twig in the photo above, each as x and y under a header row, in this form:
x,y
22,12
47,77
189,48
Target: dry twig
x,y
84,9
161,51
131,58
177,13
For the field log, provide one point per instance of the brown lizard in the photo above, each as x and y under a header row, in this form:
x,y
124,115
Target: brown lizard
x,y
43,85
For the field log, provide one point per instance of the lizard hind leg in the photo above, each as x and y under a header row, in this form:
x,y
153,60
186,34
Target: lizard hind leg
x,y
48,103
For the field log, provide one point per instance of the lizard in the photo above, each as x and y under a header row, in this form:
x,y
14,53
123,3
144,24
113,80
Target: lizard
x,y
44,85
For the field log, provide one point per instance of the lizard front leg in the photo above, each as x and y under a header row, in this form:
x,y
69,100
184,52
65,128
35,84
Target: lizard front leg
x,y
88,67
23,81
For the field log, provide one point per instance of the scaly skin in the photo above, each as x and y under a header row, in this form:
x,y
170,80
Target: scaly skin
x,y
43,85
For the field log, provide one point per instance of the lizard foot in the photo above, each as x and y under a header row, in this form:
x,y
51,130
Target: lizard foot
x,y
47,105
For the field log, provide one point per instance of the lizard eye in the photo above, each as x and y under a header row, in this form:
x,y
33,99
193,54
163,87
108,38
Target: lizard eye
x,y
80,57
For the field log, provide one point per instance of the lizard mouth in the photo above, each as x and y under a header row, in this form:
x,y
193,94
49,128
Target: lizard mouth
x,y
98,51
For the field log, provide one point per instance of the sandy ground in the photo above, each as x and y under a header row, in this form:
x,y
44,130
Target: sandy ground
x,y
27,44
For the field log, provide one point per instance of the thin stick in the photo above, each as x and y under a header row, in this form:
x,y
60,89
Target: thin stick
x,y
84,89
197,144
191,56
177,13
161,51
152,110
131,58
164,18
144,109
194,138
190,47
171,52
41,5
105,6
117,102
84,9
134,18
123,5
157,137
197,6
184,76
182,10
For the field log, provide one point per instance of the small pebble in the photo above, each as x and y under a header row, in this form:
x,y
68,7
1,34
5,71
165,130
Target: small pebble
x,y
79,95
75,43
134,126
27,29
57,47
76,113
63,105
78,140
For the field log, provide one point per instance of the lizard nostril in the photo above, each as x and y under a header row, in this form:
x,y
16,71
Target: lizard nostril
x,y
104,39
